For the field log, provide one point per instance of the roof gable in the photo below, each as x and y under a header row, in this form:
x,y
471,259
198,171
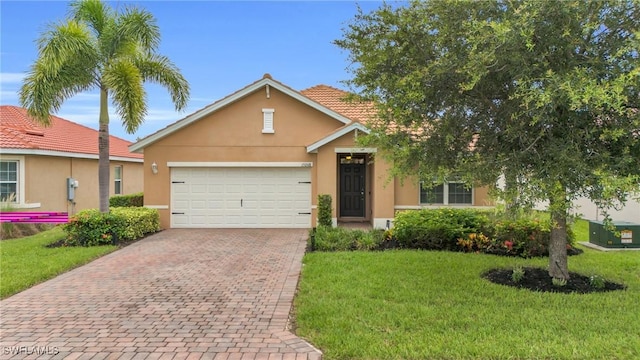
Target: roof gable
x,y
354,126
19,133
265,83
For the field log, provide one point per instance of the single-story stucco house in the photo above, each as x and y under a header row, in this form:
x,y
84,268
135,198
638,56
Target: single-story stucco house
x,y
259,157
37,162
588,210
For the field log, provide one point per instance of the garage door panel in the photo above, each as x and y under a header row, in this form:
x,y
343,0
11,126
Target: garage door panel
x,y
251,189
241,197
232,204
216,188
215,204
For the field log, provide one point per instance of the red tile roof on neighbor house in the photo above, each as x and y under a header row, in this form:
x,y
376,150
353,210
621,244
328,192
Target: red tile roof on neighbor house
x,y
19,131
336,100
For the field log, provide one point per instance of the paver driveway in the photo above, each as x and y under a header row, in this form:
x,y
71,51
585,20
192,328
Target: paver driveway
x,y
179,294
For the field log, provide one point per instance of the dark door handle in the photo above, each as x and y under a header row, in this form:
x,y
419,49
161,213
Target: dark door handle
x,y
240,202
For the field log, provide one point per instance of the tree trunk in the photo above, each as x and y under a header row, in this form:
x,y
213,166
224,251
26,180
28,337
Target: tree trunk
x,y
103,153
558,264
512,206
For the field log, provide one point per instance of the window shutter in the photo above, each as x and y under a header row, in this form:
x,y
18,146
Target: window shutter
x,y
267,121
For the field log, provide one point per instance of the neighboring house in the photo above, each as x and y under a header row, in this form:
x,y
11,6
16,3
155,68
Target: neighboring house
x,y
259,157
588,210
36,163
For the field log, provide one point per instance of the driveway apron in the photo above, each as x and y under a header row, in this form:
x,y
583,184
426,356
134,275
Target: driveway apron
x,y
179,294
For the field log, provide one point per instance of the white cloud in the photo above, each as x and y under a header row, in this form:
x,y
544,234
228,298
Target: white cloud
x,y
8,97
11,78
157,115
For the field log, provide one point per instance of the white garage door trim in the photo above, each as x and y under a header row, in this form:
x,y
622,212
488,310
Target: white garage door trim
x,y
240,197
239,164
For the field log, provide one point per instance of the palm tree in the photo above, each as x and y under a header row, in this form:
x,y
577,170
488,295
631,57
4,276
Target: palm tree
x,y
97,47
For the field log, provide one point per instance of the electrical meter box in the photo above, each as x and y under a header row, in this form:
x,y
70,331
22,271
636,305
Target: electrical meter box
x,y
629,234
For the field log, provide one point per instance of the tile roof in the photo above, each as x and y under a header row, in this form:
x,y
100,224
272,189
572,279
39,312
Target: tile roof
x,y
19,131
337,100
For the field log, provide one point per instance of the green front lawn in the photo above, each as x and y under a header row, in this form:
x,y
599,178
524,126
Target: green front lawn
x,y
435,305
27,261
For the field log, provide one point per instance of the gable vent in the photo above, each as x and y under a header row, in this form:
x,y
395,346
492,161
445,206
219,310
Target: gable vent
x,y
267,121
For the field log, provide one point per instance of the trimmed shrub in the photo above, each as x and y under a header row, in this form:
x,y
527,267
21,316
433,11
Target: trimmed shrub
x,y
136,222
91,227
437,229
525,237
132,200
324,210
370,240
329,238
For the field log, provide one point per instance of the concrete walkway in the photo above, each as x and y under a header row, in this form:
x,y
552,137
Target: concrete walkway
x,y
179,294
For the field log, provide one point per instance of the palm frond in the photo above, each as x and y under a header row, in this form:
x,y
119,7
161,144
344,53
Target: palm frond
x,y
94,13
160,70
125,83
140,26
63,42
65,67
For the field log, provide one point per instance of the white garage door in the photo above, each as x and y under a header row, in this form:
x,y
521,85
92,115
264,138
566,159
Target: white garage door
x,y
240,197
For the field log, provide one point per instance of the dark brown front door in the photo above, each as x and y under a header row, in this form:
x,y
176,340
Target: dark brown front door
x,y
352,187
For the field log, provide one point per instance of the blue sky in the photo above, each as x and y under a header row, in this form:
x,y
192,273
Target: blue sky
x,y
220,47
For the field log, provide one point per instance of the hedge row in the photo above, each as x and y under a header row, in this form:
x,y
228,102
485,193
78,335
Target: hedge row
x,y
91,227
473,231
133,200
437,229
449,229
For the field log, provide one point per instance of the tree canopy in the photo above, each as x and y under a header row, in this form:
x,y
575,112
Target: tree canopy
x,y
543,93
97,47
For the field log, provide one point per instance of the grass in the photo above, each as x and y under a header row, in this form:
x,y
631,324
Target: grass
x,y
581,230
435,305
27,261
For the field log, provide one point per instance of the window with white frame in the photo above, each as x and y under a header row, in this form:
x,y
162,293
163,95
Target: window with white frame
x,y
451,193
117,180
9,185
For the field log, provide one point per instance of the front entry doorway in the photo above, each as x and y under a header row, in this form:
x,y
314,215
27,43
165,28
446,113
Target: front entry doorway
x,y
352,186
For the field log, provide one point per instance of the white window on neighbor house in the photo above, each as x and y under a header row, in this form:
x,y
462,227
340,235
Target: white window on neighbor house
x,y
267,121
451,193
117,180
9,181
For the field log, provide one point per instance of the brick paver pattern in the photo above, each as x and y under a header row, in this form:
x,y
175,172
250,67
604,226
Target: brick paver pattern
x,y
179,294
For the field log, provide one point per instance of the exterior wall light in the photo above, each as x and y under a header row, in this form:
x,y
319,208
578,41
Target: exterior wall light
x,y
154,168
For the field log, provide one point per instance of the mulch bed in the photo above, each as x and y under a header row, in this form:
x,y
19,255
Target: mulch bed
x,y
538,279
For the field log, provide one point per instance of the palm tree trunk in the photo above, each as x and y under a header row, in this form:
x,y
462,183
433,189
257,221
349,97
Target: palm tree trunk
x,y
558,263
103,152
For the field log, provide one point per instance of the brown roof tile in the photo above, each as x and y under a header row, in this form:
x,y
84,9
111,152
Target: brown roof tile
x,y
337,100
19,131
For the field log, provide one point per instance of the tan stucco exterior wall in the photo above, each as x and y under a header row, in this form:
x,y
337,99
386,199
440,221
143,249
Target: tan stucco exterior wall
x,y
384,193
131,177
328,178
408,193
46,182
234,134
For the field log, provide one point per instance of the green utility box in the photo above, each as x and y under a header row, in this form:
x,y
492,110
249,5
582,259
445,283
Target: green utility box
x,y
629,235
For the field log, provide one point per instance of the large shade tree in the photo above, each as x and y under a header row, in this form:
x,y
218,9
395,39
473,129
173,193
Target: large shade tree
x,y
97,47
544,94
